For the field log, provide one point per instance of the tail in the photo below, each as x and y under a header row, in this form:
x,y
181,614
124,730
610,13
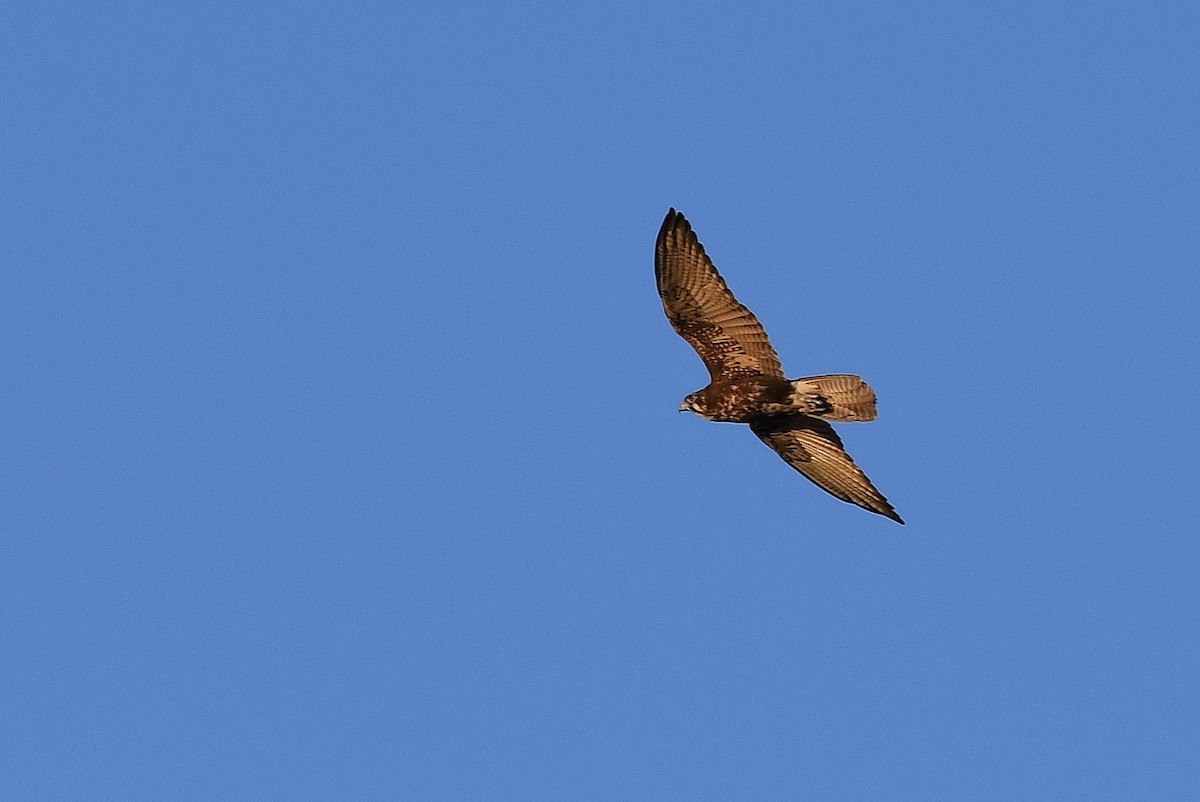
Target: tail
x,y
838,396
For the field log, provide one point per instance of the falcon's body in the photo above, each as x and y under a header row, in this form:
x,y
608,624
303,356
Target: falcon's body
x,y
748,384
742,399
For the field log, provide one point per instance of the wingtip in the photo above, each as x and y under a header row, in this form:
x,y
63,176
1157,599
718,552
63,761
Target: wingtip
x,y
674,221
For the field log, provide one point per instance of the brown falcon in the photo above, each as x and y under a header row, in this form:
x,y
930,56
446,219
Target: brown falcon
x,y
748,384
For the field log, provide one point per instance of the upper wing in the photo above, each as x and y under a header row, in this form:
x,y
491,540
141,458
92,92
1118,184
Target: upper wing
x,y
812,447
700,306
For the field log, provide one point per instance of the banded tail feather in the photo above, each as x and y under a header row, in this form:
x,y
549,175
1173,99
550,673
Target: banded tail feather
x,y
836,396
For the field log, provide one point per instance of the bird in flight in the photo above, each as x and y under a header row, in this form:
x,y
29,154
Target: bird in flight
x,y
748,384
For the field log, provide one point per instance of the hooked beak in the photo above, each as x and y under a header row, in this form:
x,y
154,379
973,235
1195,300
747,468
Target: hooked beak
x,y
684,407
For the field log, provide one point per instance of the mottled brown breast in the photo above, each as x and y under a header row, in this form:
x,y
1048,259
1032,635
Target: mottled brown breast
x,y
745,399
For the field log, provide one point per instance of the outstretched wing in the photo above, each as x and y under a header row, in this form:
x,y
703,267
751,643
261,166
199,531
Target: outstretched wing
x,y
812,447
700,306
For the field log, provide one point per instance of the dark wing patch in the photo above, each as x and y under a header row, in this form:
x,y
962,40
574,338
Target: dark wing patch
x,y
812,447
700,306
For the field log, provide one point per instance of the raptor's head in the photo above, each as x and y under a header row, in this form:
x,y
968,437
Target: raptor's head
x,y
693,403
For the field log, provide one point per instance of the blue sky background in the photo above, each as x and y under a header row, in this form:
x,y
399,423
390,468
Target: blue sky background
x,y
340,448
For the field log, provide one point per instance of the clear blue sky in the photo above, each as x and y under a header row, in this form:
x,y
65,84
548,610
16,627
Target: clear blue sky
x,y
340,447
